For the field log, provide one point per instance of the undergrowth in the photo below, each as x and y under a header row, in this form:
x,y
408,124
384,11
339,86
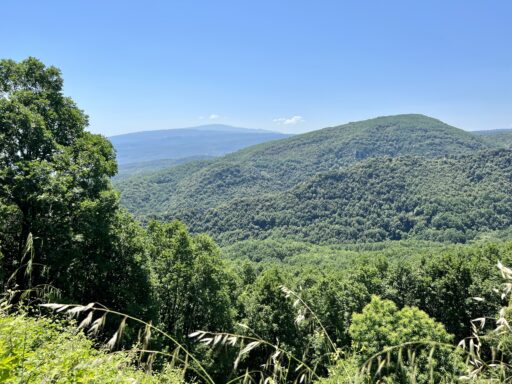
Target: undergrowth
x,y
41,350
389,345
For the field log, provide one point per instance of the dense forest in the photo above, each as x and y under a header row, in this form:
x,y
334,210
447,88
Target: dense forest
x,y
280,165
387,178
448,199
365,253
497,137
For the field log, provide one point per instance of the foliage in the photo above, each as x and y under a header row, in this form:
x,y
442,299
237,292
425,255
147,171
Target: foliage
x,y
339,280
40,350
450,199
381,326
191,284
268,313
354,182
349,266
188,191
486,352
55,189
497,137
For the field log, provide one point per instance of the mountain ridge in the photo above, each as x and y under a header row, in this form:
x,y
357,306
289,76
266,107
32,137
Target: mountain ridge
x,y
204,127
280,165
136,150
498,137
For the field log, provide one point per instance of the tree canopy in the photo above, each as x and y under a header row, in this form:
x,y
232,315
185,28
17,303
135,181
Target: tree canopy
x,y
57,201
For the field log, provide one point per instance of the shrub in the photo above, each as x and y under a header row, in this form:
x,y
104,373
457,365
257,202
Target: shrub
x,y
43,351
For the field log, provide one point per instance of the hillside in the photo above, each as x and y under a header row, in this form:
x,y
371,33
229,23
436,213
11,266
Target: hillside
x,y
442,199
280,165
498,137
171,144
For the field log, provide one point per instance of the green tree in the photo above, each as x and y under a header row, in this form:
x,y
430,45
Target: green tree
x,y
419,345
446,285
190,282
334,299
268,315
55,186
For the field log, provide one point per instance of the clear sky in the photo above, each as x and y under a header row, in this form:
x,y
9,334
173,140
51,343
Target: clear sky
x,y
287,65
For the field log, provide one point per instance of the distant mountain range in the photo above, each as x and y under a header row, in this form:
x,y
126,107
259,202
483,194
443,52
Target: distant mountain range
x,y
152,150
493,132
318,185
150,166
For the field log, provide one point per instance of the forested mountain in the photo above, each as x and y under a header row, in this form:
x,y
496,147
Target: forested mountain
x,y
443,199
190,190
498,137
153,150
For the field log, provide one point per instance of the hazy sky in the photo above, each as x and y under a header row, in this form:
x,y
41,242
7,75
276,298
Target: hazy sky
x,y
284,65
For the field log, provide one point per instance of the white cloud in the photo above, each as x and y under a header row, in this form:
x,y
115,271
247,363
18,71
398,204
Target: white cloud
x,y
289,120
213,116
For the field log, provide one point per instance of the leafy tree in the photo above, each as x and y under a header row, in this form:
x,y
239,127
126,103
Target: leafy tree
x,y
381,326
268,315
189,280
450,282
268,312
55,189
333,299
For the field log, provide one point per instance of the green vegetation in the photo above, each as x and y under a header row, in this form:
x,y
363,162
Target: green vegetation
x,y
382,325
56,196
450,199
42,351
496,137
370,255
327,185
62,233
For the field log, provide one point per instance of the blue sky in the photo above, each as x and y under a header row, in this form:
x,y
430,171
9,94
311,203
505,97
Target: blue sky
x,y
290,65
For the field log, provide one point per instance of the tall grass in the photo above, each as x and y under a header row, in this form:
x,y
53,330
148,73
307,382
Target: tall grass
x,y
95,317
